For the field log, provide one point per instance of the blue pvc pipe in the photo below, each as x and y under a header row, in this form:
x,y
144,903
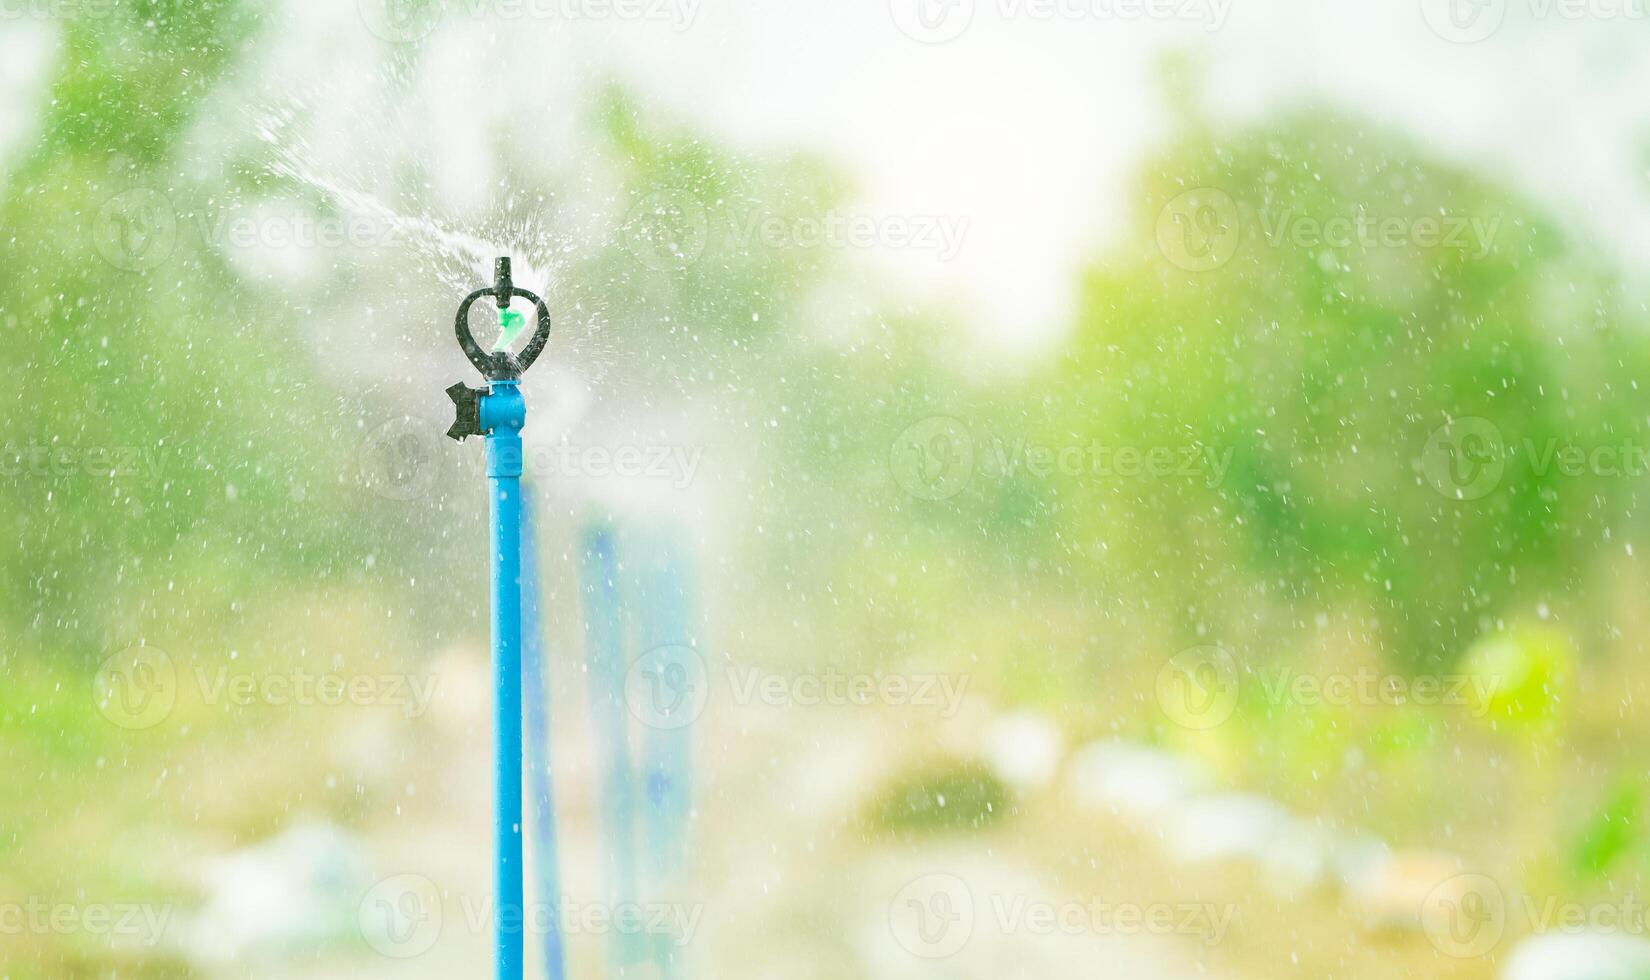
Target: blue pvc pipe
x,y
667,630
604,651
535,692
667,627
503,413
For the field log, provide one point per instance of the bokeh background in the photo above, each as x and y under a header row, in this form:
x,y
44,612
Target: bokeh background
x,y
1128,489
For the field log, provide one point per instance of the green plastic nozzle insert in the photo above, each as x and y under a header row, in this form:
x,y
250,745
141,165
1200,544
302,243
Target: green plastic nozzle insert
x,y
510,326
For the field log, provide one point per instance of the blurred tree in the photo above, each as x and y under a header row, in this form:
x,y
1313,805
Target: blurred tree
x,y
1401,360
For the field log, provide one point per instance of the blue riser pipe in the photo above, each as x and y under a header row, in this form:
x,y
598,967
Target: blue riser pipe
x,y
502,415
499,414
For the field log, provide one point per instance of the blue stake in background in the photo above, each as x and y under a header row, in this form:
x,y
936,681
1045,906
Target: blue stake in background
x,y
535,692
499,413
664,582
616,796
649,601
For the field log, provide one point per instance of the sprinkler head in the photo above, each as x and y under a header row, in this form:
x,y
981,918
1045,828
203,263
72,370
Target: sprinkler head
x,y
502,365
499,367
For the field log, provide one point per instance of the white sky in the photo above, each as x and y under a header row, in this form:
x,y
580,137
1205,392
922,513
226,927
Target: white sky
x,y
1026,128
1031,128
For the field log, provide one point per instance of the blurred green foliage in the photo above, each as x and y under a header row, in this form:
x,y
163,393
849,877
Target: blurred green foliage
x,y
1529,671
940,798
1324,370
1610,833
1306,382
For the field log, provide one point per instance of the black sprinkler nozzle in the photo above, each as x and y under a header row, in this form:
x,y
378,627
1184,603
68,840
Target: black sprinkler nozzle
x,y
502,365
503,288
498,366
